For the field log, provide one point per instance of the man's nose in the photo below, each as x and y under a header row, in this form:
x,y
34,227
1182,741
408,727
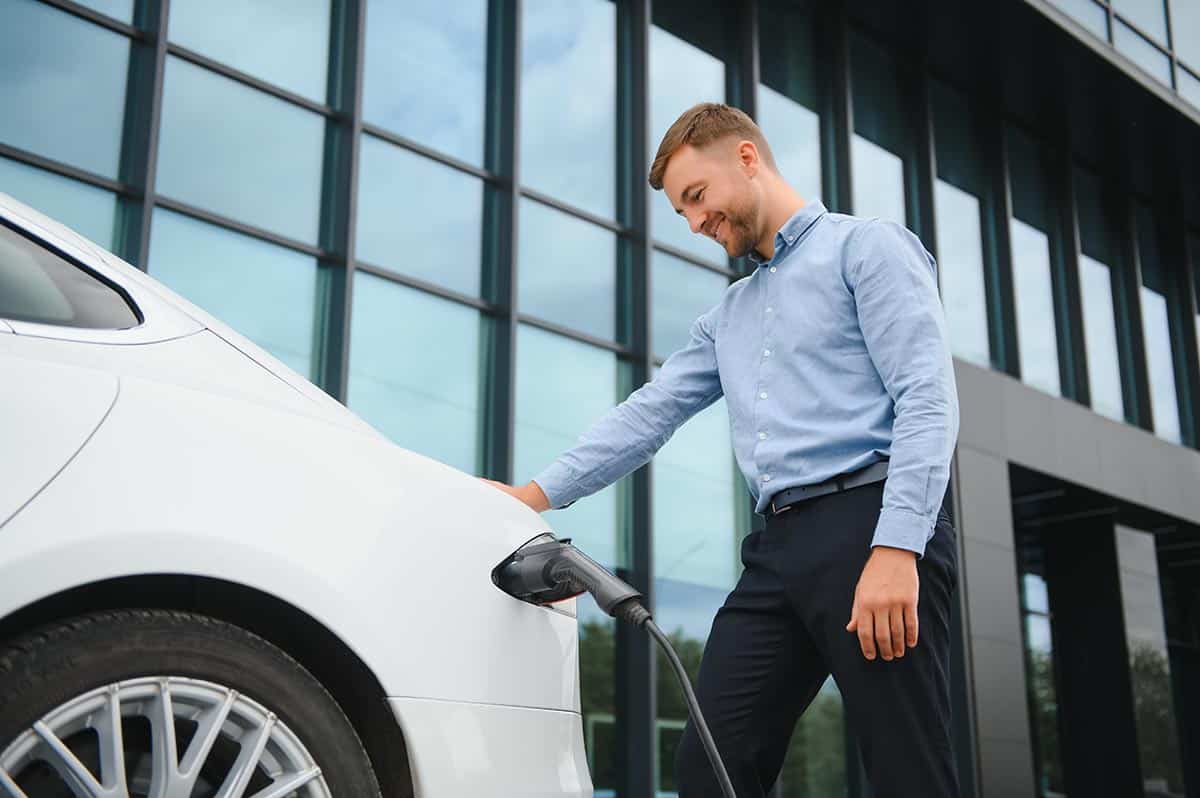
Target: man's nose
x,y
696,221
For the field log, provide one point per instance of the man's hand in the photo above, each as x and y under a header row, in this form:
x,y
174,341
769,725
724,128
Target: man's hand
x,y
530,493
885,603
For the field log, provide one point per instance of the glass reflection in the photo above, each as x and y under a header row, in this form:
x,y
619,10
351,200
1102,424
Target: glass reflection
x,y
117,9
217,133
1087,13
681,292
568,136
1039,664
1149,15
58,68
788,95
568,270
1143,53
425,398
878,181
1156,330
552,411
1100,338
681,75
1185,25
267,293
1149,663
881,143
434,233
87,210
424,68
285,42
1037,333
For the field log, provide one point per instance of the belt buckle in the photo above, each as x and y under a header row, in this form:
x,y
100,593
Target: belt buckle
x,y
784,509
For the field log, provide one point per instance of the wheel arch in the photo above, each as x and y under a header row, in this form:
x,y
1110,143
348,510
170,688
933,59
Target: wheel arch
x,y
326,656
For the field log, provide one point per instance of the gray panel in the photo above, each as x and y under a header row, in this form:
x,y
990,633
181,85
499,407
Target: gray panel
x,y
1076,442
986,497
991,582
1028,425
1001,707
1125,460
981,409
1005,768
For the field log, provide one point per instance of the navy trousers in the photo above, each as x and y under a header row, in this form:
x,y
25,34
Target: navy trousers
x,y
782,631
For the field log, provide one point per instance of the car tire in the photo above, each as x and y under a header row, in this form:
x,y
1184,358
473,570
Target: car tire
x,y
197,667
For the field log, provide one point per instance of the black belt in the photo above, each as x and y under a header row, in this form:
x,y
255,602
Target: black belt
x,y
784,499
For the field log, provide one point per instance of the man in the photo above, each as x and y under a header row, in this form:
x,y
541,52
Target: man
x,y
832,356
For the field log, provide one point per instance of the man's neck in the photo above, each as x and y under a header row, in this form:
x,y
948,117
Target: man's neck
x,y
781,207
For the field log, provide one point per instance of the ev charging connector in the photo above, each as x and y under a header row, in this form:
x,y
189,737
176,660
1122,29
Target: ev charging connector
x,y
546,570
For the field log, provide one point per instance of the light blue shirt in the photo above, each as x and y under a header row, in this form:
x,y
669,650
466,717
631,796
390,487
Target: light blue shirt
x,y
832,355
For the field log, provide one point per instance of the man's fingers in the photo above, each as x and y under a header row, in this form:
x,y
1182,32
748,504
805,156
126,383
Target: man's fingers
x,y
866,634
850,627
897,617
910,624
883,633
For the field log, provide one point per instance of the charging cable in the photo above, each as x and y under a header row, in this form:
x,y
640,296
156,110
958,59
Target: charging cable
x,y
546,570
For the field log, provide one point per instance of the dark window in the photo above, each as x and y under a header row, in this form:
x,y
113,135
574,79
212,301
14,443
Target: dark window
x,y
38,286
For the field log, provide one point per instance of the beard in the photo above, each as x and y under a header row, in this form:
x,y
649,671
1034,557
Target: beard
x,y
738,236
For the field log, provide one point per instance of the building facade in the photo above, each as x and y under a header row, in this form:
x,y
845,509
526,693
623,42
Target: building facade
x,y
437,210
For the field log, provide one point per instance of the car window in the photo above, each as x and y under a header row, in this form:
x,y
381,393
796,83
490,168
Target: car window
x,y
36,285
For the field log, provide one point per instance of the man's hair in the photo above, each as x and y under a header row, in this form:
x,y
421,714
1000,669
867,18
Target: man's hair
x,y
700,126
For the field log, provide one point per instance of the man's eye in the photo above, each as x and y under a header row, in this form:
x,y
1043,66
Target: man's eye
x,y
699,195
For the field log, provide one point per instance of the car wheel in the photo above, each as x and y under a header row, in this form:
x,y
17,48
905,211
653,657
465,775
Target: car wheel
x,y
170,705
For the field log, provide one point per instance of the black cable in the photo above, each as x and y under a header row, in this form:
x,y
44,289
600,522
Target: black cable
x,y
710,745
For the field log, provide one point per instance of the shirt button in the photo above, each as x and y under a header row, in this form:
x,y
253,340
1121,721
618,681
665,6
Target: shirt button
x,y
762,395
762,436
770,310
766,477
772,270
766,353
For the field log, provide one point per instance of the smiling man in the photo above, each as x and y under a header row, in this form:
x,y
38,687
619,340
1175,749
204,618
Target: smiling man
x,y
832,356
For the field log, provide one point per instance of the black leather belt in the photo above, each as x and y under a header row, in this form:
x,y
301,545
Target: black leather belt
x,y
786,498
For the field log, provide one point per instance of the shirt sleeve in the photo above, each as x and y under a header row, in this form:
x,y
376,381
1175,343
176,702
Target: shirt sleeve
x,y
629,434
894,282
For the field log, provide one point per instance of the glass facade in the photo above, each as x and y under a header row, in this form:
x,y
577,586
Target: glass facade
x,y
437,214
1161,36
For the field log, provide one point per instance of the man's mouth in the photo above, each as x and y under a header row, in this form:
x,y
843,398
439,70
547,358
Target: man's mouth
x,y
716,230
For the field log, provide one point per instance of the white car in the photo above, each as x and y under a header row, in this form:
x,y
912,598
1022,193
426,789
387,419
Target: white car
x,y
215,580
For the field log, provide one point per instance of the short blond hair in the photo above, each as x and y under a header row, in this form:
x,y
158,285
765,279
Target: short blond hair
x,y
700,126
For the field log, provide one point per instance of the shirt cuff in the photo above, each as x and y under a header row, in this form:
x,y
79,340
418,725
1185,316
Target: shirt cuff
x,y
558,483
903,529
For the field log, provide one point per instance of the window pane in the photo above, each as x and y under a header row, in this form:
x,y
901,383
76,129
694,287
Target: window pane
x,y
1033,233
267,293
87,210
426,398
1036,331
38,286
1142,52
787,96
118,9
881,142
1149,662
425,67
681,75
568,136
67,77
681,293
1149,15
1189,86
1100,267
697,540
1100,337
434,233
235,151
1194,248
1185,31
1087,13
960,245
285,42
1039,667
567,271
554,407
1156,329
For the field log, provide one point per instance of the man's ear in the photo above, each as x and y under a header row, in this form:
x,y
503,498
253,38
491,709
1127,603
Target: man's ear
x,y
747,155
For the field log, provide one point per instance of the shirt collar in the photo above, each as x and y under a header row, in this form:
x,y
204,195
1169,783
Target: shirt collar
x,y
792,231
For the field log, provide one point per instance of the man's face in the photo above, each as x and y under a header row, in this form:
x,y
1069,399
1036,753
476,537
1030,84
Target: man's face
x,y
712,189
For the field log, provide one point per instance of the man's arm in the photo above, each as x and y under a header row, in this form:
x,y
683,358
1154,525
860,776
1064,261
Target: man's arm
x,y
895,291
629,434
